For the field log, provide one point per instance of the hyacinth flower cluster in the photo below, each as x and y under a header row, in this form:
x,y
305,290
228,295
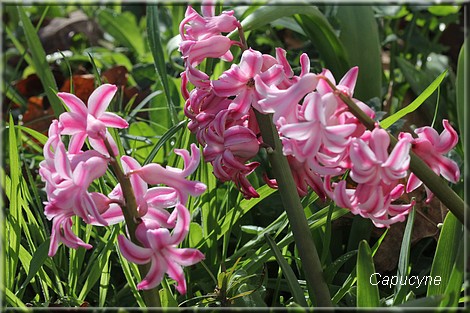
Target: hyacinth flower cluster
x,y
327,147
161,215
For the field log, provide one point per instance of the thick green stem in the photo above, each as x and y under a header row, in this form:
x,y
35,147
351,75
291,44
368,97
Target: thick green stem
x,y
132,219
434,182
318,289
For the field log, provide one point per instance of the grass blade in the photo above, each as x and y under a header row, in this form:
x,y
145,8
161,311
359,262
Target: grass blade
x,y
454,286
460,88
404,260
386,123
292,281
446,251
159,58
367,289
38,57
38,259
14,216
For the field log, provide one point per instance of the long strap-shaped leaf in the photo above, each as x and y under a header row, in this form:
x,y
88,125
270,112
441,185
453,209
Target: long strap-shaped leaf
x,y
386,123
288,273
367,290
38,57
159,57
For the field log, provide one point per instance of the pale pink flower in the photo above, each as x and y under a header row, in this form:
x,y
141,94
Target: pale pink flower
x,y
371,162
346,85
319,137
67,182
196,27
159,248
431,148
174,177
82,121
304,177
284,103
370,201
62,232
239,81
218,46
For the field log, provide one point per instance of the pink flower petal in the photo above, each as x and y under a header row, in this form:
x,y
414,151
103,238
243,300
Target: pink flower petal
x,y
73,123
76,142
175,271
74,104
61,162
113,120
100,99
133,252
155,274
349,79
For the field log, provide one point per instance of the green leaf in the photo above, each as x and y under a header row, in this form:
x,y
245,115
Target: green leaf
x,y
167,136
367,288
454,286
159,57
288,273
404,260
443,10
123,27
415,104
38,57
245,205
360,37
195,234
14,217
446,251
35,134
126,268
267,14
428,302
14,301
323,37
167,299
333,268
461,88
39,257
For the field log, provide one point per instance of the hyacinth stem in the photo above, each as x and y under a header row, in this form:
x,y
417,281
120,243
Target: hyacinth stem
x,y
318,289
434,182
132,219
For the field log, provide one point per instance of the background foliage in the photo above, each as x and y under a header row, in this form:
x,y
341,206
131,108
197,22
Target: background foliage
x,y
250,256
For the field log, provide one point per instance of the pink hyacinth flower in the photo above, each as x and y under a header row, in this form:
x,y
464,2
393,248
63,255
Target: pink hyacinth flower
x,y
82,121
284,103
174,177
346,84
371,163
370,201
319,130
194,52
68,181
431,147
160,250
62,232
239,81
196,27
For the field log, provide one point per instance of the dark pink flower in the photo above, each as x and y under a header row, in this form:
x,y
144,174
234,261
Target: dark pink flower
x,y
431,147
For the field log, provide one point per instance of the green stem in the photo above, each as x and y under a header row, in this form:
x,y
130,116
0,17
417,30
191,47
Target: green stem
x,y
318,289
435,183
132,219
